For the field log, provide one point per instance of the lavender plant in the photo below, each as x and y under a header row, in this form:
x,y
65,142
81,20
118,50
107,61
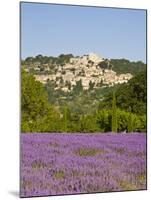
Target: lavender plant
x,y
54,164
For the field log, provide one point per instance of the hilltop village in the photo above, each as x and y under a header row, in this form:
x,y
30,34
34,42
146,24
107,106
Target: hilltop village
x,y
91,70
79,94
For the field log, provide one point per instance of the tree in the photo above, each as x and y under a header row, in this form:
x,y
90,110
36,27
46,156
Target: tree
x,y
89,123
131,96
122,66
103,64
131,123
68,85
123,120
29,60
91,85
114,114
78,88
37,113
65,119
61,80
103,119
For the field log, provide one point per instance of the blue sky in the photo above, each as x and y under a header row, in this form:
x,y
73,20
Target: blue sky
x,y
59,29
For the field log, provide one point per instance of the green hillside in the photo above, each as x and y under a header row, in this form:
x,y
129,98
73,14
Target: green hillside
x,y
121,66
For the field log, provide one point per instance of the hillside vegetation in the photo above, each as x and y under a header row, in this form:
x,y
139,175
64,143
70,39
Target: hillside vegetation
x,y
125,66
45,109
120,66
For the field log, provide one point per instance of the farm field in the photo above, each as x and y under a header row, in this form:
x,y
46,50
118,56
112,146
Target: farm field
x,y
67,163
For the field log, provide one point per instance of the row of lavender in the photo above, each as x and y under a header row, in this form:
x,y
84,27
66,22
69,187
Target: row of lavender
x,y
54,164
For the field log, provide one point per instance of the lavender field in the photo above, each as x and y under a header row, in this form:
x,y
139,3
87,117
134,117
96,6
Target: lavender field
x,y
57,163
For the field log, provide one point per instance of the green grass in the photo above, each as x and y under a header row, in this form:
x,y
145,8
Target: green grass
x,y
89,152
38,165
59,175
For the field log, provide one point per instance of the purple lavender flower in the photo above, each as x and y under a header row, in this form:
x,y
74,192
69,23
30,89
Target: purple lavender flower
x,y
53,163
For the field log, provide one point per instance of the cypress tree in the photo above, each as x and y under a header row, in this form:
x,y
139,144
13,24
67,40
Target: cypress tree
x,y
65,118
114,114
130,123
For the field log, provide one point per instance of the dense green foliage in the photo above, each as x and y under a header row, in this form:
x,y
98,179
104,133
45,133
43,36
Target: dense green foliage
x,y
121,66
61,59
47,110
114,114
37,114
131,97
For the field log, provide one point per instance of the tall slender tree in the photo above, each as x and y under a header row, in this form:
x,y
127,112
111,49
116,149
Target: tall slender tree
x,y
114,114
131,123
65,118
